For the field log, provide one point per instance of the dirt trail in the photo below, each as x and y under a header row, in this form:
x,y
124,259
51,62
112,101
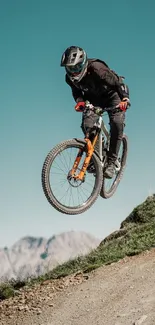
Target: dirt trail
x,y
119,294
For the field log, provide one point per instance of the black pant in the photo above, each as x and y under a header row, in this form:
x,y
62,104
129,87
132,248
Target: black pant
x,y
116,122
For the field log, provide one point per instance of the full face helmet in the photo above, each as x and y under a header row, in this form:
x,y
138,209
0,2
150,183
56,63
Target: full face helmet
x,y
74,59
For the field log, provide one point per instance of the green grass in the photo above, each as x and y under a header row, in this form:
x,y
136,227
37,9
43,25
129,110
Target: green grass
x,y
133,238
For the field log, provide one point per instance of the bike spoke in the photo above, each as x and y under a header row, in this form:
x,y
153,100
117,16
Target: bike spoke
x,y
73,193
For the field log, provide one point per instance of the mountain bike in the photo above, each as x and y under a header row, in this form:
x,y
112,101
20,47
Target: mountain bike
x,y
72,172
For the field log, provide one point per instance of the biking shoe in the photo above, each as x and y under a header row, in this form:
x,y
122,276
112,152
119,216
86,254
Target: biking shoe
x,y
110,170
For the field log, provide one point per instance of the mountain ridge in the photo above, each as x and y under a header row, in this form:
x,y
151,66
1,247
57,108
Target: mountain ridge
x,y
31,256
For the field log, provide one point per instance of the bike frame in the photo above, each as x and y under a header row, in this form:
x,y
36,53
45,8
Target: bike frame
x,y
102,131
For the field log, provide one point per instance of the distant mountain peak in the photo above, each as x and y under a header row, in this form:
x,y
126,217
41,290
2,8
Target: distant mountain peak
x,y
33,255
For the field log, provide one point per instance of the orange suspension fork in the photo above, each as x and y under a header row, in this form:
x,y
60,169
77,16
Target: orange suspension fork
x,y
90,150
76,162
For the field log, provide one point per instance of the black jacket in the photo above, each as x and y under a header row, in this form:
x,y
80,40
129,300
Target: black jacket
x,y
98,86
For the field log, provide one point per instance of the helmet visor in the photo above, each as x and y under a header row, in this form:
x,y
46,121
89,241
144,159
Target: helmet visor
x,y
75,68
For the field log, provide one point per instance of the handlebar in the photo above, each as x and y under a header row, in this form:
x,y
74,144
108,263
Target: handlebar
x,y
98,110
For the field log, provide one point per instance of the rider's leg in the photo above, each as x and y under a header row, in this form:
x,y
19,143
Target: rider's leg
x,y
117,123
88,121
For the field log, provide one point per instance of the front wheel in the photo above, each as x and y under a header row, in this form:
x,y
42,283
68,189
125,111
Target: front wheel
x,y
105,192
69,195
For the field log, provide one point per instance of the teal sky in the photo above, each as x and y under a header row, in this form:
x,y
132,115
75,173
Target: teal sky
x,y
37,109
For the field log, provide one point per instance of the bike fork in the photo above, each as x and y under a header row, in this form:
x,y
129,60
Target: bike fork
x,y
90,150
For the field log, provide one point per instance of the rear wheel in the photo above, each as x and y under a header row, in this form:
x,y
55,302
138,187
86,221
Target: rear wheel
x,y
108,191
65,194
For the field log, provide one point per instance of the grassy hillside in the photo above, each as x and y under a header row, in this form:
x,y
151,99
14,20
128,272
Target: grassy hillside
x,y
136,234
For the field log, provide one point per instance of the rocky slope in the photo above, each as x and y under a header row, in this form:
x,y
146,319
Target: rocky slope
x,y
34,256
122,293
119,294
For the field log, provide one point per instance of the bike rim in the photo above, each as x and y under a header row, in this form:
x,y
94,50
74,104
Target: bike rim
x,y
70,194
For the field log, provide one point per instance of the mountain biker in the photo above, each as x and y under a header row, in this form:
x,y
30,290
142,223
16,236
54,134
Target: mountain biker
x,y
93,80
